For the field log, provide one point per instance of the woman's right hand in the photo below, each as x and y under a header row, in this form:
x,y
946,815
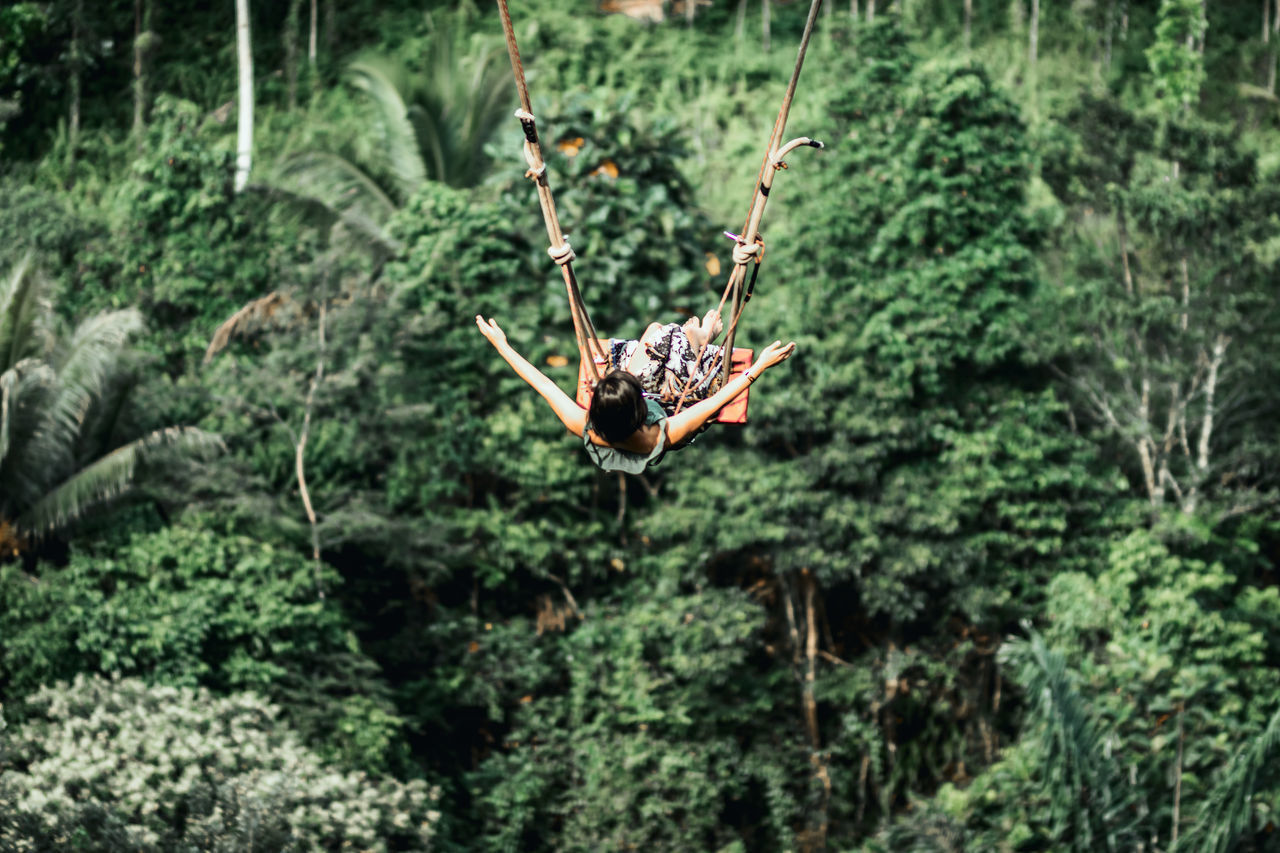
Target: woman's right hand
x,y
772,354
491,330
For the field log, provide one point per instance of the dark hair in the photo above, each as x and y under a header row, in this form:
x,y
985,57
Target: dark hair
x,y
617,406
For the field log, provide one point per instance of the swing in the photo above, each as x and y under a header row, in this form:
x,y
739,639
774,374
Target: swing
x,y
748,247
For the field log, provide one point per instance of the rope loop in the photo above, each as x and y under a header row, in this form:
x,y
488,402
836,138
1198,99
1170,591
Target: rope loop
x,y
561,254
536,170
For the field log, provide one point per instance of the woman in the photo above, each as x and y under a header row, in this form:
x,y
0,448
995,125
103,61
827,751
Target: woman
x,y
625,429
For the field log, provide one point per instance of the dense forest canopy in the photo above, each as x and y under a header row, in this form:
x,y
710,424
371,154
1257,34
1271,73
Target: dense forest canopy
x,y
289,559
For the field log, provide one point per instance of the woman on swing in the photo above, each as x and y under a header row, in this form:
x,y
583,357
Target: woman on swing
x,y
632,420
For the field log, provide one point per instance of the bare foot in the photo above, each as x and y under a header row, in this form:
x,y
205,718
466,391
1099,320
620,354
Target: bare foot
x,y
712,325
694,331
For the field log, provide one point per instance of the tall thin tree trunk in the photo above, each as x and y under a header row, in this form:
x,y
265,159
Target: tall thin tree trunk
x,y
291,21
764,23
1033,46
1269,27
1177,782
871,10
143,46
740,26
853,9
311,35
244,134
968,24
137,68
817,759
75,70
1122,231
300,451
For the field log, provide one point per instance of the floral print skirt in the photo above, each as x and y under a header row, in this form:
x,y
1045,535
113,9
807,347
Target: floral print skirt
x,y
672,367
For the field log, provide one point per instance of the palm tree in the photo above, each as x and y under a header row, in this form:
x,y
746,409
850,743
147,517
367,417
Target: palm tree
x,y
429,125
60,399
1228,811
1089,803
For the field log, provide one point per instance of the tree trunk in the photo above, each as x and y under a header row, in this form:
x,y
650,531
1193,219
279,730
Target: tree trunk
x,y
75,68
764,23
1034,43
853,9
300,454
741,24
968,24
291,21
137,68
871,10
1267,29
1177,781
816,757
244,134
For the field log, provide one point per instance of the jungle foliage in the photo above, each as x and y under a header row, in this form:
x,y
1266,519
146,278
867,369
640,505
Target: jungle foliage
x,y
289,559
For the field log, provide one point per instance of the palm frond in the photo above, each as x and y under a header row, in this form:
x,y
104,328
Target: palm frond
x,y
109,477
24,305
1228,809
343,188
1087,801
25,391
84,366
388,87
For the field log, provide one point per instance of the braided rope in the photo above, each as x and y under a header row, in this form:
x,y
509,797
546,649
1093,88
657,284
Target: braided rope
x,y
590,350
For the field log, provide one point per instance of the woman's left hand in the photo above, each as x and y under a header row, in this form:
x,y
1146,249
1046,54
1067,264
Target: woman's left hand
x,y
491,330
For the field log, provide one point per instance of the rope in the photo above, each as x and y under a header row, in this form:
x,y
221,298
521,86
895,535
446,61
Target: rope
x,y
772,164
589,347
750,246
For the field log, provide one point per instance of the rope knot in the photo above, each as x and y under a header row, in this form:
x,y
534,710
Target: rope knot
x,y
562,254
536,170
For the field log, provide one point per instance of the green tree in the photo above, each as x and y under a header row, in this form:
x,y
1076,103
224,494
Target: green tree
x,y
908,490
1163,275
426,124
63,445
654,740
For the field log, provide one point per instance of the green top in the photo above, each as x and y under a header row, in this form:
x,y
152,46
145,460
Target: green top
x,y
613,459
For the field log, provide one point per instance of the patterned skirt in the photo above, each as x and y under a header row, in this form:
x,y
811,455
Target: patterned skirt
x,y
673,366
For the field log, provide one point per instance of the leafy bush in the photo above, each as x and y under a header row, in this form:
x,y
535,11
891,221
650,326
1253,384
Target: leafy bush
x,y
118,765
656,742
188,607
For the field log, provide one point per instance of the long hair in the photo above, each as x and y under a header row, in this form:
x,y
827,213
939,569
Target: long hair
x,y
617,406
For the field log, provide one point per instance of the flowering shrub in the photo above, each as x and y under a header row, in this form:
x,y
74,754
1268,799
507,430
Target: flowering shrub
x,y
118,765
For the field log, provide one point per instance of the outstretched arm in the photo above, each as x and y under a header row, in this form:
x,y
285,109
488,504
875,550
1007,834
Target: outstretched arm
x,y
573,416
685,424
